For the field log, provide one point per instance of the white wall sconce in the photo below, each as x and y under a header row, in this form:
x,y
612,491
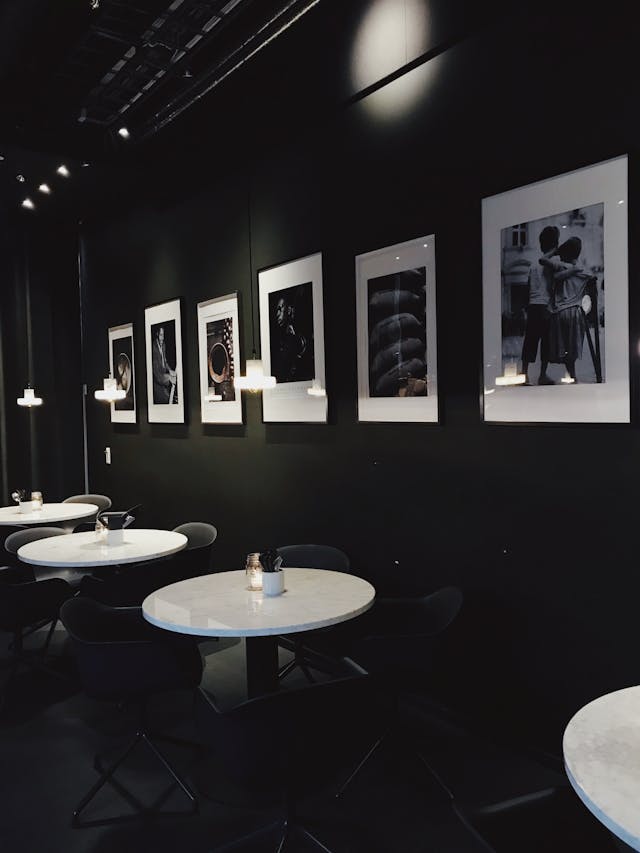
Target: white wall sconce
x,y
29,398
255,378
110,392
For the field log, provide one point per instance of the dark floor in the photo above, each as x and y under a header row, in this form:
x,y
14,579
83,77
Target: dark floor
x,y
49,733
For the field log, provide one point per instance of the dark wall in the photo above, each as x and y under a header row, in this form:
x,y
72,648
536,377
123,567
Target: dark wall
x,y
40,448
535,523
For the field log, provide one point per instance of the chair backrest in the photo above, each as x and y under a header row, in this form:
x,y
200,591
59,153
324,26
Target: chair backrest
x,y
199,534
293,737
314,557
406,634
121,656
31,534
85,527
101,501
422,616
195,560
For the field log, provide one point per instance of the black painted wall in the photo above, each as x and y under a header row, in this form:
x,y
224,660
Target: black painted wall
x,y
40,448
536,524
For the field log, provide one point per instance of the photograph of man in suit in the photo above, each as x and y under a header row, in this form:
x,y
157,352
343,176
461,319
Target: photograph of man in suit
x,y
165,377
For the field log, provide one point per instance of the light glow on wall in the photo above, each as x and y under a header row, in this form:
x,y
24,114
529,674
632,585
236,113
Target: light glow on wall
x,y
391,34
399,97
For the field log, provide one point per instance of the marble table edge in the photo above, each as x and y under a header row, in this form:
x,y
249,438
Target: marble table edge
x,y
614,827
83,564
257,632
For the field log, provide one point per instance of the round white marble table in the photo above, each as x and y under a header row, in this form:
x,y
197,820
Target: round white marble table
x,y
50,513
83,550
601,749
221,605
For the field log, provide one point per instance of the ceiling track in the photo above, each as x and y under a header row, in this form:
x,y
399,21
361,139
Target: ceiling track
x,y
288,15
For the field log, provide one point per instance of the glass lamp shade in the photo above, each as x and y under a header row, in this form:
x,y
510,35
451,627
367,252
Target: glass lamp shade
x,y
254,379
515,379
110,392
29,399
316,389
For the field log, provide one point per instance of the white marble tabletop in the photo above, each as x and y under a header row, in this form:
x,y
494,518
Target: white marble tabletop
x,y
80,550
49,514
601,748
221,605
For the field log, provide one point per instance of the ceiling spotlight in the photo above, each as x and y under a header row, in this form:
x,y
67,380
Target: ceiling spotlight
x,y
1,157
94,4
123,132
45,188
85,164
62,170
28,204
187,74
20,179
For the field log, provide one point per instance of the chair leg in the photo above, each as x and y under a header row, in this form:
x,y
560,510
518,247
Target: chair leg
x,y
107,776
287,668
312,838
239,843
284,837
168,767
360,765
45,648
300,660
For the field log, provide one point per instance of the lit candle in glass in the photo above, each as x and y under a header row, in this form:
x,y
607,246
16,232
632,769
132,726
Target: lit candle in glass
x,y
254,571
36,500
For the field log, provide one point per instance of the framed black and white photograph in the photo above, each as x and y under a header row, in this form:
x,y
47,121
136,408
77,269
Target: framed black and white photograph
x,y
396,333
555,299
165,382
219,358
121,364
292,341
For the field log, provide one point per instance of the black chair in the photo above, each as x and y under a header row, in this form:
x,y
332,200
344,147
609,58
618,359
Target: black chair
x,y
291,741
101,501
85,527
398,644
33,534
308,557
26,607
129,586
123,659
195,560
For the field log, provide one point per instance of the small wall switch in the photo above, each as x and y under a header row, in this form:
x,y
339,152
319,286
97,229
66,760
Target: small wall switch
x,y
107,455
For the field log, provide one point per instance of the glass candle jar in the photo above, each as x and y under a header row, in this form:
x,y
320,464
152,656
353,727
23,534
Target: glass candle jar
x,y
254,571
36,500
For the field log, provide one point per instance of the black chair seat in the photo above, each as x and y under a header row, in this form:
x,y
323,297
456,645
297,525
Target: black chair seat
x,y
25,607
293,741
123,659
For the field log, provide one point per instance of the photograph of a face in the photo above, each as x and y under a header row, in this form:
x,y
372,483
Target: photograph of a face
x,y
553,299
122,368
164,363
220,359
396,306
122,360
291,333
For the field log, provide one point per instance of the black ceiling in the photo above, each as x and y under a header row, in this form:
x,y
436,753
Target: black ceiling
x,y
71,75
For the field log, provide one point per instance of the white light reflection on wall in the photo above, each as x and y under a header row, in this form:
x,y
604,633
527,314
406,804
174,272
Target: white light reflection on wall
x,y
392,34
400,97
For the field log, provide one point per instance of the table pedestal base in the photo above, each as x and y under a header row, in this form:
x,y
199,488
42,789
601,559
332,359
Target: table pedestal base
x,y
262,665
